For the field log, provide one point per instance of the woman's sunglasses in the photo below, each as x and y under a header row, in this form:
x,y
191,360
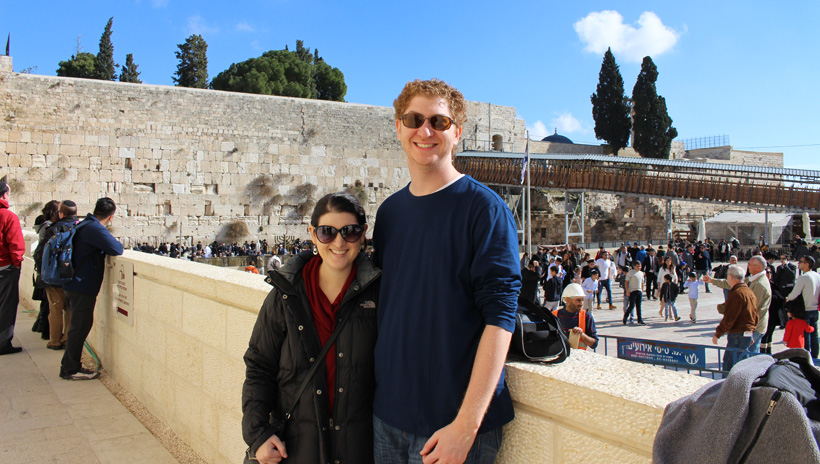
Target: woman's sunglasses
x,y
351,233
437,122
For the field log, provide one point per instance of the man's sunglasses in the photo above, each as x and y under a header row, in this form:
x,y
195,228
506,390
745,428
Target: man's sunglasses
x,y
438,122
351,233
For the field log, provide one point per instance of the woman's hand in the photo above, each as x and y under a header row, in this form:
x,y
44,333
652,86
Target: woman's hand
x,y
272,451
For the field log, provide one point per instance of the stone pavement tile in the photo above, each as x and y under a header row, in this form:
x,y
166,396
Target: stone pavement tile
x,y
74,390
33,423
94,406
115,425
135,449
67,450
34,405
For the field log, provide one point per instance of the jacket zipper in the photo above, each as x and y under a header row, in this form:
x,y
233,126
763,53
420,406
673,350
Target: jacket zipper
x,y
772,403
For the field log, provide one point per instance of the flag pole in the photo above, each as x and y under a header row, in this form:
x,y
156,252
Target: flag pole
x,y
529,198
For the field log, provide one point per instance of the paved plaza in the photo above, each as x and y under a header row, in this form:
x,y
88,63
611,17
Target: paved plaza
x,y
45,419
684,331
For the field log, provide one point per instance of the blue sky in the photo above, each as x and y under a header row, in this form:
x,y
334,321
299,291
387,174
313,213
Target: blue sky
x,y
745,69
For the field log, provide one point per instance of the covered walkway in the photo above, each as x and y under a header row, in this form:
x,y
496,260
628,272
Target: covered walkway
x,y
775,189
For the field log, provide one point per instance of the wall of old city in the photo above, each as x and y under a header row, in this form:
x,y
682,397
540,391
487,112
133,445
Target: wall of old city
x,y
183,164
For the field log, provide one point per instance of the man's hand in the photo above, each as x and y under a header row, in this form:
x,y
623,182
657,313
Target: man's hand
x,y
714,339
707,279
577,330
449,445
272,451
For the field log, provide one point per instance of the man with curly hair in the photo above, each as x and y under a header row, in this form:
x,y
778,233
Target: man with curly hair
x,y
448,248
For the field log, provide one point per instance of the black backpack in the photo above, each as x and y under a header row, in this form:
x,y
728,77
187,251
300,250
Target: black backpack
x,y
538,335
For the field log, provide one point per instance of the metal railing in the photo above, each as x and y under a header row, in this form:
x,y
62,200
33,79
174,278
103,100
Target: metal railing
x,y
702,360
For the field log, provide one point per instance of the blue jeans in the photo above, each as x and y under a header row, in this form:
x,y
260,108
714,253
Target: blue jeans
x,y
811,343
735,340
756,337
671,311
601,285
392,446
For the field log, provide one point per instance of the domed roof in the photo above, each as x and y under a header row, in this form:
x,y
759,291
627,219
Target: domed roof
x,y
555,138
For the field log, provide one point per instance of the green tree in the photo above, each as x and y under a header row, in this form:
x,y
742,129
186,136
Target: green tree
x,y
129,71
610,106
80,65
192,70
651,122
104,65
285,73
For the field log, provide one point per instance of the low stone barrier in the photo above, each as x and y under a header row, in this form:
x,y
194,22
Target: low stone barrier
x,y
180,351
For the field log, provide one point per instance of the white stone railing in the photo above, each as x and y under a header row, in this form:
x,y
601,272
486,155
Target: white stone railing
x,y
182,358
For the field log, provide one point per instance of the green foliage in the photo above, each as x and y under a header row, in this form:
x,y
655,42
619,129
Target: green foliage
x,y
129,71
192,70
81,65
104,62
610,107
282,72
651,122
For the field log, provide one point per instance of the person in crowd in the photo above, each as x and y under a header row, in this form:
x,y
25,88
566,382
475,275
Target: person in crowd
x,y
687,257
12,247
692,286
773,315
50,215
635,284
739,318
59,316
651,266
575,320
759,285
808,285
668,295
552,289
590,286
604,266
447,400
703,263
529,282
797,328
641,255
91,244
334,287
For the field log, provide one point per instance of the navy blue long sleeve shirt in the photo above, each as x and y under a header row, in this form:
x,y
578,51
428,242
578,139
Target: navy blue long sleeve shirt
x,y
450,268
91,243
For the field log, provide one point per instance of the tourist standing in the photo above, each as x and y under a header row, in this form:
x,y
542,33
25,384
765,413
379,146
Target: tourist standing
x,y
12,247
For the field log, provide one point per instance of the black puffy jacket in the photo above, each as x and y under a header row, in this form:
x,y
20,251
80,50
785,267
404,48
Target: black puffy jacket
x,y
282,348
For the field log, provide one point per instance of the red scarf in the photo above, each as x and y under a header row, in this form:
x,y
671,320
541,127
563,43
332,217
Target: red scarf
x,y
324,316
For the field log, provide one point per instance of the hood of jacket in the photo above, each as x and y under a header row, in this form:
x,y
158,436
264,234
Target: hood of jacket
x,y
286,278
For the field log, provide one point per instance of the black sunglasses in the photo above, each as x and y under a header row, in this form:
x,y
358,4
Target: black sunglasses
x,y
438,122
350,233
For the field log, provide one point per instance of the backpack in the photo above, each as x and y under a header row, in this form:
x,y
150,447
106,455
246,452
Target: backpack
x,y
538,335
766,410
57,267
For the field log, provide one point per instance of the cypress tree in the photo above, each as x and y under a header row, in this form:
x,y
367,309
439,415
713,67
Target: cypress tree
x,y
104,64
192,70
610,107
651,122
129,71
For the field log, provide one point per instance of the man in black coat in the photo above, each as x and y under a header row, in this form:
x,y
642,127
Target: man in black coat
x,y
651,266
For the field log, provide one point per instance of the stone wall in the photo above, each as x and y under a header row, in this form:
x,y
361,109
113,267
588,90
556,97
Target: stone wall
x,y
181,357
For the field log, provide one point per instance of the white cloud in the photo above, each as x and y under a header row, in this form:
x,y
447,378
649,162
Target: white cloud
x,y
538,130
566,123
245,27
159,3
196,25
602,29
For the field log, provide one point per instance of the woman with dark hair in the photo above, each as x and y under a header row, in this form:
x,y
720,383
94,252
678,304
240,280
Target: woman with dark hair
x,y
327,417
44,221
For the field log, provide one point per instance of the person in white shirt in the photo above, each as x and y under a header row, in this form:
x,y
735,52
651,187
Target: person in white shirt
x,y
590,287
206,251
808,285
693,285
604,265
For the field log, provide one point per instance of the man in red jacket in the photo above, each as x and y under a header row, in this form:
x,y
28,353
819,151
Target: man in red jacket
x,y
12,247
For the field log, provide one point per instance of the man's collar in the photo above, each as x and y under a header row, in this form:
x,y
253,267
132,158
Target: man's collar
x,y
757,276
